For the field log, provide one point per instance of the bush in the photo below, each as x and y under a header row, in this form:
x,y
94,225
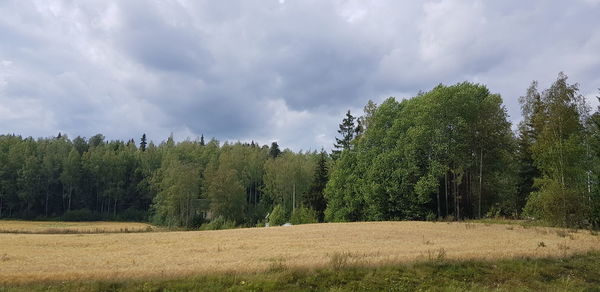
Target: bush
x,y
218,224
80,215
278,216
303,215
556,205
431,217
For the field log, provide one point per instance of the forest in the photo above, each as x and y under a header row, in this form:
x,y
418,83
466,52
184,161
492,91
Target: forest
x,y
450,153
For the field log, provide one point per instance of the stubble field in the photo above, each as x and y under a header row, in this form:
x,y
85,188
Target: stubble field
x,y
28,258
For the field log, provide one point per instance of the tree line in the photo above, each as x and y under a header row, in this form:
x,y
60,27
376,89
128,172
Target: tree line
x,y
447,153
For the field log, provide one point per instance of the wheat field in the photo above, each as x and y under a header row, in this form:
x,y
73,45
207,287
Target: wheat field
x,y
26,258
57,227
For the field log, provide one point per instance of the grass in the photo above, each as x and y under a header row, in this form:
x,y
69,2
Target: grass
x,y
575,273
43,258
58,227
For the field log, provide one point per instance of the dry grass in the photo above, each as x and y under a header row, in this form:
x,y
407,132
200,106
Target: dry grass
x,y
52,257
55,227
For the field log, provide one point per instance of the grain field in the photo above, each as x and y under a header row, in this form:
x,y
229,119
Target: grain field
x,y
54,257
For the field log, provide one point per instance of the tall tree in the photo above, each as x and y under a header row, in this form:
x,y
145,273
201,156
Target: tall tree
x,y
143,143
559,154
274,150
347,130
315,198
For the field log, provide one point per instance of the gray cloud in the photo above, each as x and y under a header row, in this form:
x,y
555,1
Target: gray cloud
x,y
270,70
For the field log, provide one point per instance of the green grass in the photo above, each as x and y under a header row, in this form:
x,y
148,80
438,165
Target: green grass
x,y
576,273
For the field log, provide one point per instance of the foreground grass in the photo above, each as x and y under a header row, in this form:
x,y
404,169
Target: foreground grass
x,y
578,272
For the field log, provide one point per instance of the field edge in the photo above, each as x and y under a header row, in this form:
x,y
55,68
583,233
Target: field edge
x,y
574,272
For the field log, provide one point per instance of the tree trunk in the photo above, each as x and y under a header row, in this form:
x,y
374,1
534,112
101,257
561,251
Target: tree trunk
x,y
47,195
70,196
446,190
480,181
438,204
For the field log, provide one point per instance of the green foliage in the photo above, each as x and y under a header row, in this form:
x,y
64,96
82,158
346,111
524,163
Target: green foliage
x,y
559,152
278,216
178,186
348,130
453,142
303,215
315,198
287,178
218,223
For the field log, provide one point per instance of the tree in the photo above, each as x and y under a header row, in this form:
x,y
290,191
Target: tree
x,y
96,140
348,131
178,189
227,195
315,199
287,179
143,143
559,153
71,175
274,150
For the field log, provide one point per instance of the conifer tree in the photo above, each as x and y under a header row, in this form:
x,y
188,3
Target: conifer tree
x,y
315,198
348,131
143,143
274,150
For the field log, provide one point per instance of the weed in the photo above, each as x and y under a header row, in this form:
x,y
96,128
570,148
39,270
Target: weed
x,y
278,265
339,260
563,248
563,233
437,256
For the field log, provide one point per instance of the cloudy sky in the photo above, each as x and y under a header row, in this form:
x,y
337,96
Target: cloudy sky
x,y
271,70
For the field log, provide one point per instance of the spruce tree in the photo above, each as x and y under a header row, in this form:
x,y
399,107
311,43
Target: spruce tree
x,y
274,151
315,199
143,143
348,131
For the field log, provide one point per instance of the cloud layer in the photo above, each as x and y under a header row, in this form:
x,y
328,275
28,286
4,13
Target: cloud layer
x,y
270,70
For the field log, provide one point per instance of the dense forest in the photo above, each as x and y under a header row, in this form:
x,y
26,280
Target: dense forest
x,y
449,153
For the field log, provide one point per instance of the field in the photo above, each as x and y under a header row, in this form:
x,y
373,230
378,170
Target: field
x,y
44,258
55,227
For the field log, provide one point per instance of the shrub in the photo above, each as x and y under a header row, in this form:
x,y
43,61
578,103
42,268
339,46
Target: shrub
x,y
278,216
218,224
431,217
80,215
303,215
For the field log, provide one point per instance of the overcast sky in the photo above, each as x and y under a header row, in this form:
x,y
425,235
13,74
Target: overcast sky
x,y
271,70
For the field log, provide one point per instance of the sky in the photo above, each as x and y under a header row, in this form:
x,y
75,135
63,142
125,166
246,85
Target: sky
x,y
263,70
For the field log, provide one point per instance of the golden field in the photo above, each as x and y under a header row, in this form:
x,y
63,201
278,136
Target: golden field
x,y
55,227
54,257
